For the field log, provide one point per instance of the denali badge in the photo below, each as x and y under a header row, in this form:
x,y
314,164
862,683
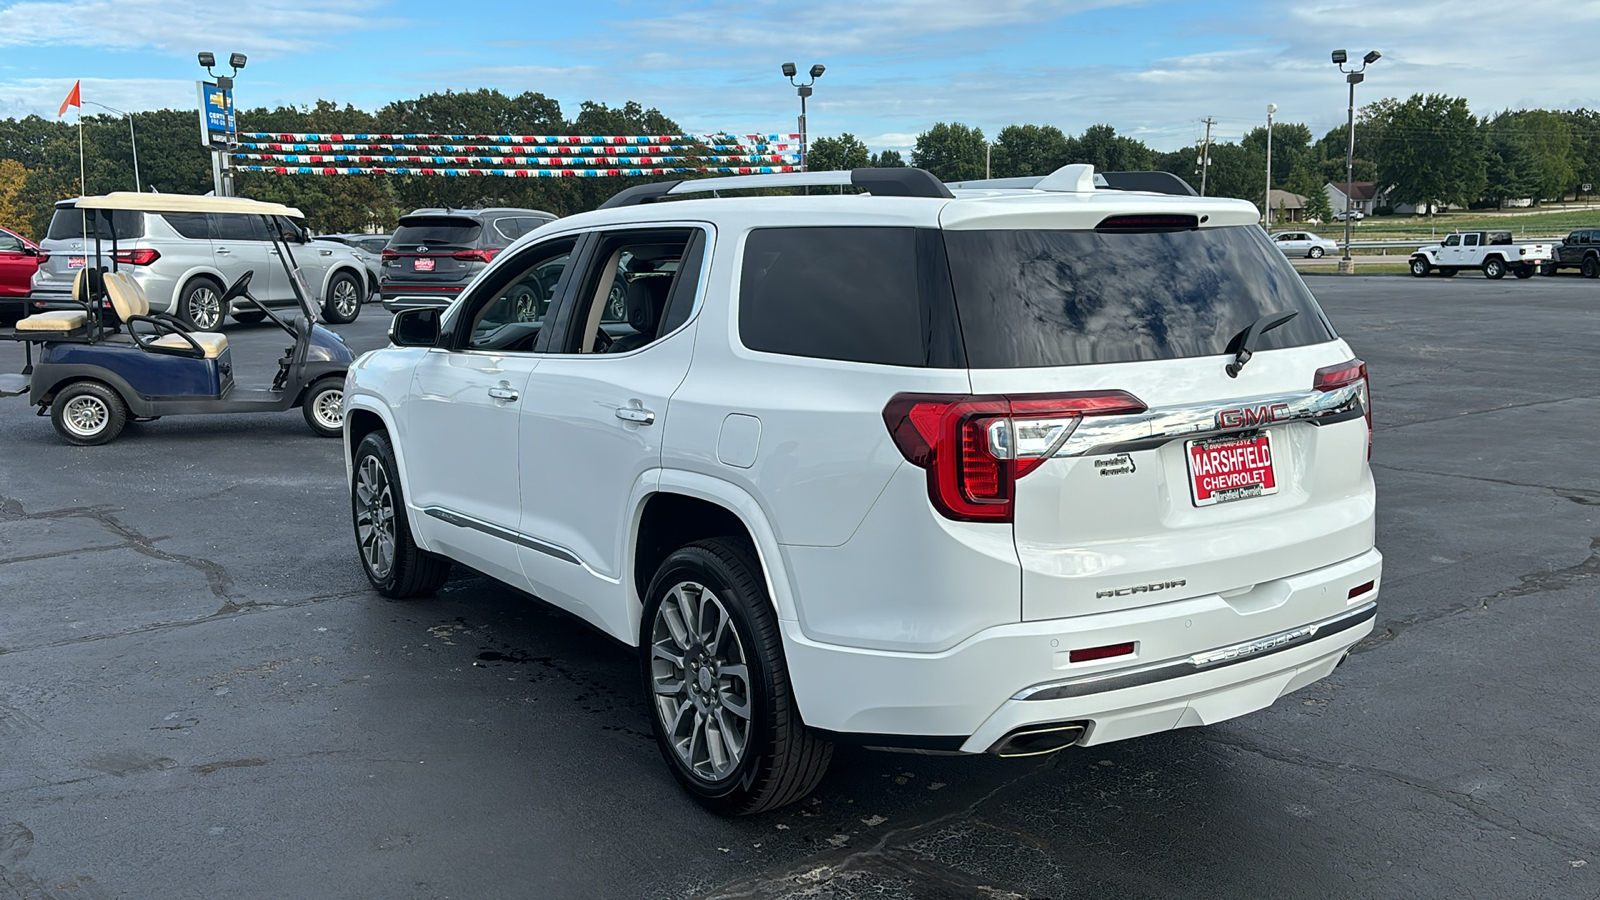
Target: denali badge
x,y
1247,417
1140,589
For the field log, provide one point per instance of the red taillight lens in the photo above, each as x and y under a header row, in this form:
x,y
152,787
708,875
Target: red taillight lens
x,y
976,447
1107,652
142,257
390,254
1330,378
475,255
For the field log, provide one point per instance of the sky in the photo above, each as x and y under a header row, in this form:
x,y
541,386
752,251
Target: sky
x,y
1152,69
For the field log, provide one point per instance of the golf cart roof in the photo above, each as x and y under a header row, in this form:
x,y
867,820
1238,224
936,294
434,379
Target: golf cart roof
x,y
183,203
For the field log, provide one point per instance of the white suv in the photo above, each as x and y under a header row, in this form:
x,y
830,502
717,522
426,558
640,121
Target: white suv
x,y
999,471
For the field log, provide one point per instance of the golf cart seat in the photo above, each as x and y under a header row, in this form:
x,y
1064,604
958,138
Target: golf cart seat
x,y
131,304
62,321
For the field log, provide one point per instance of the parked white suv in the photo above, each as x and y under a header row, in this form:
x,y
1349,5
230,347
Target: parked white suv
x,y
996,472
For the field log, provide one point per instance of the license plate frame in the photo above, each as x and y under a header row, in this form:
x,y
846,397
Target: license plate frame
x,y
1227,483
77,262
422,264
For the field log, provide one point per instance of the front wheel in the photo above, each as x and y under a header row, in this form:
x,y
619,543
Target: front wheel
x,y
344,299
1420,267
1448,271
1548,270
1316,253
88,413
395,565
323,406
1525,271
714,672
1494,267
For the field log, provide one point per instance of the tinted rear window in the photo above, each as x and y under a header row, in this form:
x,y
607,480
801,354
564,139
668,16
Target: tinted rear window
x,y
1064,298
67,224
440,231
196,226
873,295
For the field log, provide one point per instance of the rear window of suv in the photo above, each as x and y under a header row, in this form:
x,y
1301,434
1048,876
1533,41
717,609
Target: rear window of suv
x,y
436,231
67,224
1066,298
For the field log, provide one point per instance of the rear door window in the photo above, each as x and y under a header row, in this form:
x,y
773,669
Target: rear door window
x,y
194,226
1065,298
867,294
436,231
234,227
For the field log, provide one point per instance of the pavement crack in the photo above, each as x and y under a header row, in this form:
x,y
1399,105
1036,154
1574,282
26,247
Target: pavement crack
x,y
1576,495
1493,409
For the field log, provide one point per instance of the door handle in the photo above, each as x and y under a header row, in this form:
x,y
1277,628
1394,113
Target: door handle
x,y
635,415
503,393
223,250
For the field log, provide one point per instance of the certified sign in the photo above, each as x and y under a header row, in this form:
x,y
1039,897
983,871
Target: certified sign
x,y
217,125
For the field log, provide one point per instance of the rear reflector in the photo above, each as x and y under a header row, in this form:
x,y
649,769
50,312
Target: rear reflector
x,y
1107,652
1360,589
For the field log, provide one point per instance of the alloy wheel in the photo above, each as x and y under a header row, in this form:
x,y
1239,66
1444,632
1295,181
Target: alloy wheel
x,y
205,308
328,407
86,416
701,680
345,301
375,517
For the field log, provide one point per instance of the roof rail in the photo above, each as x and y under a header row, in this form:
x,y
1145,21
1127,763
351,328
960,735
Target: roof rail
x,y
896,182
1070,179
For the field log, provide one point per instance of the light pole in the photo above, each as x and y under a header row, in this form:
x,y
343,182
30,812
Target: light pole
x,y
131,140
1267,210
1347,265
221,161
805,91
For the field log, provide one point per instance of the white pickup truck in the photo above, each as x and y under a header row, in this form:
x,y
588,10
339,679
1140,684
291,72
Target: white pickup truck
x,y
1492,251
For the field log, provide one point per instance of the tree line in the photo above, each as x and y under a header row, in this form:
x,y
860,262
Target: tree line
x,y
1429,148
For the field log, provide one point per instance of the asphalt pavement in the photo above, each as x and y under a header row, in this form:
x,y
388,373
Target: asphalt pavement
x,y
200,697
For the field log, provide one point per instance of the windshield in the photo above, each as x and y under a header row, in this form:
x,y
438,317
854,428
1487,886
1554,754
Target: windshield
x,y
67,224
1064,298
435,231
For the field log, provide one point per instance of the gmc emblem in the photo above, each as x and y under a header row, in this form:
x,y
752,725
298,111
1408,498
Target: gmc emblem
x,y
1248,417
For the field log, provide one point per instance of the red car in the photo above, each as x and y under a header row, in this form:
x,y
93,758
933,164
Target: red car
x,y
19,258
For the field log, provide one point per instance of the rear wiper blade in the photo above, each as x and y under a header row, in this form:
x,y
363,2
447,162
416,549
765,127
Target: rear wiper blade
x,y
1247,338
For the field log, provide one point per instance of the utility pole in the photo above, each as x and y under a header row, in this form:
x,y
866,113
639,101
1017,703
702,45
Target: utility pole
x,y
1205,156
1267,210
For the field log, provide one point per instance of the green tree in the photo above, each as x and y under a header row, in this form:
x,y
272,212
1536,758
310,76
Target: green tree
x,y
13,179
888,159
833,154
951,151
1107,151
1028,150
1291,149
1429,149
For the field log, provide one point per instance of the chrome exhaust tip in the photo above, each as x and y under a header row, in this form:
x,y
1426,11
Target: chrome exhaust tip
x,y
1037,740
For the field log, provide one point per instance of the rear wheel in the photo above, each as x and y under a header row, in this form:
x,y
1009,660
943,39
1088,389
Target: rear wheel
x,y
323,406
1420,267
395,565
200,304
1591,267
714,672
1316,253
1494,267
343,303
88,413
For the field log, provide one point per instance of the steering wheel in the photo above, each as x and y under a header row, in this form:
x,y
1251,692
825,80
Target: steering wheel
x,y
602,341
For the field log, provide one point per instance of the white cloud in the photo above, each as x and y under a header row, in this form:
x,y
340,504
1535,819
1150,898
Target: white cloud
x,y
272,26
43,96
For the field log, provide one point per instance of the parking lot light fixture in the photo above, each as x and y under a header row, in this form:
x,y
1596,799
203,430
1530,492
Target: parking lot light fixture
x,y
1353,77
789,71
237,61
207,61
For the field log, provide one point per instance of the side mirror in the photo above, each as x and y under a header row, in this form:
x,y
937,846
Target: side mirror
x,y
30,251
414,328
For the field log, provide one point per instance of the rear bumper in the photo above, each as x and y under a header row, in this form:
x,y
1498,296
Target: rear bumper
x,y
968,698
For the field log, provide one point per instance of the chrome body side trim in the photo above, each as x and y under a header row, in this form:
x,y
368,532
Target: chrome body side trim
x,y
1095,435
1117,679
450,517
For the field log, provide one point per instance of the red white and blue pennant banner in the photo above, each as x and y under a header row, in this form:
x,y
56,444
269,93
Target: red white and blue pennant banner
x,y
516,173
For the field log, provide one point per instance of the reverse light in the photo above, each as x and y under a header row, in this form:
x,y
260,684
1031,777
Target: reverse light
x,y
484,255
142,257
974,448
1330,378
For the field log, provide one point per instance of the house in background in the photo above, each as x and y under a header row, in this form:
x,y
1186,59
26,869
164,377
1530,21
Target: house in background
x,y
1366,198
1286,206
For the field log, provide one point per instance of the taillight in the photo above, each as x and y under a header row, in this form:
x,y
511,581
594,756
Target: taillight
x,y
475,255
974,448
390,254
143,257
1329,378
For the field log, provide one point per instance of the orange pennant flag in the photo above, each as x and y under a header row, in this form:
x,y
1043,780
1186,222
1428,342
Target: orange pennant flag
x,y
72,99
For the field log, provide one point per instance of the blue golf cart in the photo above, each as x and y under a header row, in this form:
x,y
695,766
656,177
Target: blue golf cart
x,y
92,369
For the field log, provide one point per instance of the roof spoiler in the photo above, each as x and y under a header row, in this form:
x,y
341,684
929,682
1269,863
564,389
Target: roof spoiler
x,y
896,182
1082,178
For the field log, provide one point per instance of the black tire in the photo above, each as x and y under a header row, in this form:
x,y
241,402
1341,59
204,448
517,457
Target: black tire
x,y
343,302
323,406
1524,271
87,413
781,760
1494,268
250,318
412,571
1591,267
1448,271
1420,266
200,304
1315,253
1548,270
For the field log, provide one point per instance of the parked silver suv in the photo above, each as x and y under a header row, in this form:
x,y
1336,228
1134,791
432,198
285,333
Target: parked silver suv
x,y
185,261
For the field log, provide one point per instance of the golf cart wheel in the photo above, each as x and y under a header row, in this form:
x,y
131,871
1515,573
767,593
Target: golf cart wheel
x,y
395,565
725,718
1591,267
200,304
323,406
250,318
1316,253
1420,267
343,302
88,413
1494,267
